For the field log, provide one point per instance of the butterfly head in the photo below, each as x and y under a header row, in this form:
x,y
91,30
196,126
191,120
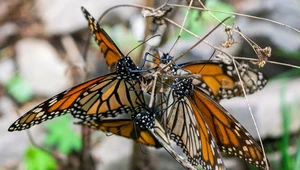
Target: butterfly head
x,y
144,120
166,58
127,69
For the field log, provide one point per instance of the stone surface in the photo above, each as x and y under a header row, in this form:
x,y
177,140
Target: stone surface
x,y
114,152
6,30
13,144
267,108
7,70
287,12
40,65
61,17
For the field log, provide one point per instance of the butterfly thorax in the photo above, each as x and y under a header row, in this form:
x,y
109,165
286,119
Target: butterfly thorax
x,y
144,120
182,87
126,69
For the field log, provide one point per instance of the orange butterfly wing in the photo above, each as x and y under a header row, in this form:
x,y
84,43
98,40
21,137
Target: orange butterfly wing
x,y
220,80
153,137
101,97
230,135
110,50
125,128
193,135
105,96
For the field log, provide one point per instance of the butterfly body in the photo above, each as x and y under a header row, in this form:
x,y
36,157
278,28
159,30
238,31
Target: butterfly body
x,y
144,120
126,69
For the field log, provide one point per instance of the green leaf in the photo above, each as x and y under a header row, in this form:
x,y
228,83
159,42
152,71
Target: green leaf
x,y
62,136
193,23
287,111
297,159
36,159
217,5
196,23
128,40
19,89
287,53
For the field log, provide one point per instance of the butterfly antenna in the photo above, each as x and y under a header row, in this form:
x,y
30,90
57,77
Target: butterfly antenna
x,y
207,61
184,53
174,44
142,43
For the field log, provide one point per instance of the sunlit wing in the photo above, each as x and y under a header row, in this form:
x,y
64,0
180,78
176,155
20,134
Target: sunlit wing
x,y
230,135
110,50
106,96
220,80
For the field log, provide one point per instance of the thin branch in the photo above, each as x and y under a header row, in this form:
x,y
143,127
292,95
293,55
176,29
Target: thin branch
x,y
183,23
251,113
272,62
239,14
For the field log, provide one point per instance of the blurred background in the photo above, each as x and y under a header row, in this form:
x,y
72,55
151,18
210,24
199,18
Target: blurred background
x,y
43,52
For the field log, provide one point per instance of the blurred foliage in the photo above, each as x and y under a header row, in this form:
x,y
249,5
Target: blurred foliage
x,y
285,126
128,40
20,90
36,159
196,22
217,5
288,53
297,160
62,135
289,74
287,111
193,23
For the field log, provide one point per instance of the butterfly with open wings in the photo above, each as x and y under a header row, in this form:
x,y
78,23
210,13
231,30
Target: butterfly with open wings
x,y
105,96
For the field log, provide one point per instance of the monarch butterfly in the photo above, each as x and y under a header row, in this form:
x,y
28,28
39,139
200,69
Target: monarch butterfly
x,y
188,128
106,96
193,110
198,123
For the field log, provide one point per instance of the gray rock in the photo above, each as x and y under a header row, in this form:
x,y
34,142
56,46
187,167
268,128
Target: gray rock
x,y
114,152
266,106
61,17
287,12
7,70
39,65
13,144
